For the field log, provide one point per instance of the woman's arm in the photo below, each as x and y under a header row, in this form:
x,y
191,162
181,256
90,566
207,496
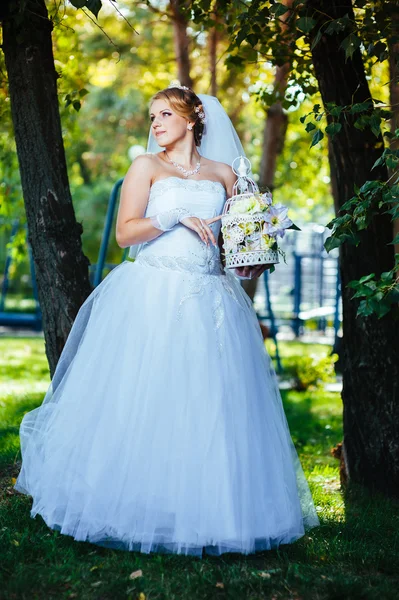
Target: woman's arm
x,y
131,225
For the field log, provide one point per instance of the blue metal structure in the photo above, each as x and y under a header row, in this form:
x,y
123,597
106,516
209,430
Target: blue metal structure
x,y
19,319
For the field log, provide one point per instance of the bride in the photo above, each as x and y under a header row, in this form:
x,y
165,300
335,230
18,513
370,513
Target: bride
x,y
163,428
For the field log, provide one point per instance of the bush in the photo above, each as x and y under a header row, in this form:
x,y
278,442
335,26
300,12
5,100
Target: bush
x,y
312,371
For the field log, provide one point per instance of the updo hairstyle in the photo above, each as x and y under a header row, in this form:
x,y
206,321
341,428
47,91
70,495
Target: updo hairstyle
x,y
184,102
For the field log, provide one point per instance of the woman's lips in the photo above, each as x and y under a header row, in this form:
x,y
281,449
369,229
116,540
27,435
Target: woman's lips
x,y
159,133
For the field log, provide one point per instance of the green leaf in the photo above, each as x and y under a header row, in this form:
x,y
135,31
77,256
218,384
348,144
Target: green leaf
x,y
78,3
395,239
350,44
293,226
332,242
317,137
316,39
379,161
366,278
333,128
360,107
305,24
335,111
310,126
278,9
94,6
252,39
241,35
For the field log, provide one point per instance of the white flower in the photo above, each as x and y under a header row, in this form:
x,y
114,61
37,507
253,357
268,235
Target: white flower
x,y
267,241
265,201
277,220
246,205
247,228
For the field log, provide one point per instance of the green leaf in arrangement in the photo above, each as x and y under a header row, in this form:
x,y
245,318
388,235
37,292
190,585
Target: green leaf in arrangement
x,y
395,239
305,24
317,137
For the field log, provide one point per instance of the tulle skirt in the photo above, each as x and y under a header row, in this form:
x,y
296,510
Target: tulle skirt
x,y
163,428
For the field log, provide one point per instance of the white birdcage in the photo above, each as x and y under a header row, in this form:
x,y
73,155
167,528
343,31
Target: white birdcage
x,y
245,237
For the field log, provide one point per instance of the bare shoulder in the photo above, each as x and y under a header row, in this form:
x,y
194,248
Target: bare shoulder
x,y
144,166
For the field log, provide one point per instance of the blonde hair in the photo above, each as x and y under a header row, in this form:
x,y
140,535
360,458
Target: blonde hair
x,y
184,102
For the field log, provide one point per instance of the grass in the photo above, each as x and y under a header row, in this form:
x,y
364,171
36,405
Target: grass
x,y
354,554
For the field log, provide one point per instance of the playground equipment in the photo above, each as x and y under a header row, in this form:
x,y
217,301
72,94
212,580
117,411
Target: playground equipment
x,y
31,320
305,290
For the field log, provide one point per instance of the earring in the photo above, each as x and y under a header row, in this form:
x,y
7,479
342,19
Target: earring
x,y
189,126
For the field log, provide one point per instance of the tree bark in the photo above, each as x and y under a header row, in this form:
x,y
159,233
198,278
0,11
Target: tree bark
x,y
213,44
371,346
181,42
53,233
276,120
274,132
394,96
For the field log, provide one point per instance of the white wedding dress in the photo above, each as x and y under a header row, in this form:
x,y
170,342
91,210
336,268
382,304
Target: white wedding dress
x,y
163,428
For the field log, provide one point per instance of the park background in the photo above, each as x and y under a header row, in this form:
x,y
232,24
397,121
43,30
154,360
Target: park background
x,y
259,65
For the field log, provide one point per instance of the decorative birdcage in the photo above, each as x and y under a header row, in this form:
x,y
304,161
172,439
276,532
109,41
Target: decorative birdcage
x,y
250,223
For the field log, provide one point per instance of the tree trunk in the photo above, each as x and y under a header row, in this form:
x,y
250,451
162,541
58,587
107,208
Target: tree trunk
x,y
54,235
181,42
276,120
274,132
371,346
394,96
213,44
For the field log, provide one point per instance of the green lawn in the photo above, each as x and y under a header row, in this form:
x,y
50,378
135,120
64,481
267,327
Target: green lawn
x,y
354,554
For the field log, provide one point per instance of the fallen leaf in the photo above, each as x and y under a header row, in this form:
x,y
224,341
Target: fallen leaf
x,y
264,574
13,480
96,584
220,584
141,596
135,574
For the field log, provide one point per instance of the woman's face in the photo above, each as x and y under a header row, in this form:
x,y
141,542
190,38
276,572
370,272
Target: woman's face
x,y
167,126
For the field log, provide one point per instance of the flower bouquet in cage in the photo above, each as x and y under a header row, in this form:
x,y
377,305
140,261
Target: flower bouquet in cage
x,y
251,223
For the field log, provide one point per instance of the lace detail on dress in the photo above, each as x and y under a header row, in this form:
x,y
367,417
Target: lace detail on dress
x,y
171,182
209,263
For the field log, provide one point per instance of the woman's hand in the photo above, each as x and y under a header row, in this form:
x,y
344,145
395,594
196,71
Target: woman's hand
x,y
251,272
201,226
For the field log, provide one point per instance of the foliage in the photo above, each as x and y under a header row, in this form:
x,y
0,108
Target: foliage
x,y
353,554
378,294
310,371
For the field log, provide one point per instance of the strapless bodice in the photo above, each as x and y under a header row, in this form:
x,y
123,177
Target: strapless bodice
x,y
181,248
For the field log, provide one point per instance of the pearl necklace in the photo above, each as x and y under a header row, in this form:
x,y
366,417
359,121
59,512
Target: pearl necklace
x,y
186,172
